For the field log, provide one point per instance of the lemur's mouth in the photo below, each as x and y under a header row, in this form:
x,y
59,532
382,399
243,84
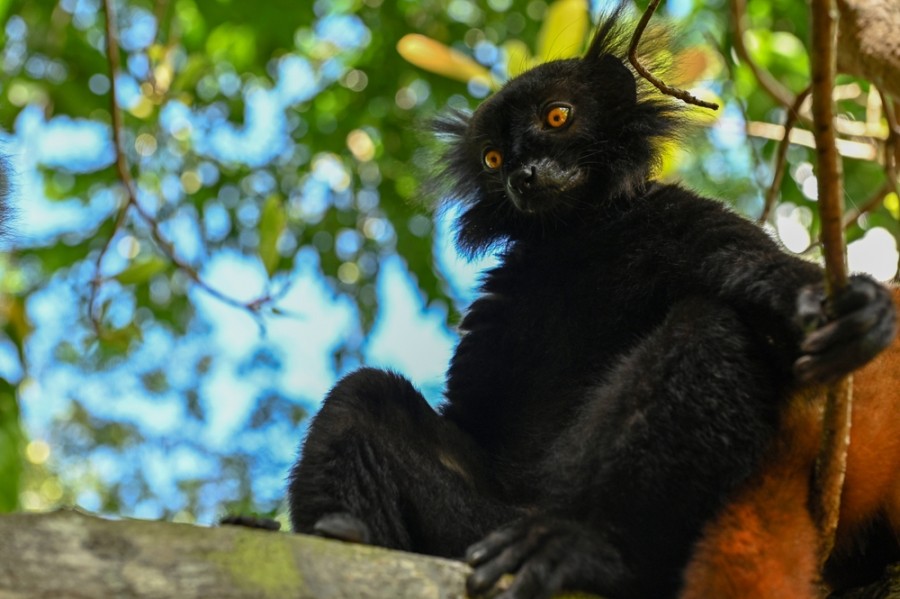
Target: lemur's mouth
x,y
537,186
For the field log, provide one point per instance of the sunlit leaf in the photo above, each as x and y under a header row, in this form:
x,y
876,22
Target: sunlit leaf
x,y
438,58
141,270
235,44
564,30
271,225
892,203
4,8
190,20
518,58
693,64
781,52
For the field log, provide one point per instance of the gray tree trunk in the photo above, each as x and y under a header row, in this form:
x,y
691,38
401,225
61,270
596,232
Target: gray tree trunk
x,y
869,42
70,555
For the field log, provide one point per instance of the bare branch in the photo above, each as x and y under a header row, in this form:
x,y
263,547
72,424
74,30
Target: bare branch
x,y
892,144
254,306
793,113
869,205
666,89
891,157
112,54
831,464
72,555
868,45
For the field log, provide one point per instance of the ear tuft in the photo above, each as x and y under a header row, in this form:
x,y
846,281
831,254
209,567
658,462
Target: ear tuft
x,y
452,174
612,36
619,76
451,125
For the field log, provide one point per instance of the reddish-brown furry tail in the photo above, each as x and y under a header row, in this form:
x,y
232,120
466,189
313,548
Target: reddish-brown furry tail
x,y
764,543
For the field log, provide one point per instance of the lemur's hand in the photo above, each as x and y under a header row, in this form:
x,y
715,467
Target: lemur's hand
x,y
845,334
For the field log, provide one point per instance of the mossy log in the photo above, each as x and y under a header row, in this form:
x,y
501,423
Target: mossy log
x,y
71,555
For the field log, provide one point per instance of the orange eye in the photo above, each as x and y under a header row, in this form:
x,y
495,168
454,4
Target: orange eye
x,y
557,116
493,159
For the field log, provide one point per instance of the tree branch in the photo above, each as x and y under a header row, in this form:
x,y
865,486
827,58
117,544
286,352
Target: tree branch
x,y
112,55
832,460
868,44
892,144
646,74
253,307
852,215
70,555
793,114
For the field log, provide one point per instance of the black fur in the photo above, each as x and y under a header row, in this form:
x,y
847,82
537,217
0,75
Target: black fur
x,y
616,151
621,373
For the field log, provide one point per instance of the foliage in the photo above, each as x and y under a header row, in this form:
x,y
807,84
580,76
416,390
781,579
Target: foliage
x,y
277,154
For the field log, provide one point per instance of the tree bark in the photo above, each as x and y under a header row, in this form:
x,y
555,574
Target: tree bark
x,y
70,555
869,42
831,465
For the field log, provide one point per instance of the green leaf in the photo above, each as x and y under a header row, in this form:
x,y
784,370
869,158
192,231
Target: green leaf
x,y
235,44
564,30
271,224
155,381
119,341
141,270
892,203
12,441
4,9
190,20
518,58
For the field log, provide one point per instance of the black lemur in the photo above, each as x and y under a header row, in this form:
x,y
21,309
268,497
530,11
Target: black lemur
x,y
619,376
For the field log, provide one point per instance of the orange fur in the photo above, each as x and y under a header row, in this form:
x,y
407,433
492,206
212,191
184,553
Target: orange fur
x,y
764,543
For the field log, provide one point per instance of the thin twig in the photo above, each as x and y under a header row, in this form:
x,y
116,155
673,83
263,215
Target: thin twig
x,y
892,114
745,111
253,307
666,89
869,205
793,113
169,250
892,144
755,152
112,54
772,86
832,460
891,155
854,213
